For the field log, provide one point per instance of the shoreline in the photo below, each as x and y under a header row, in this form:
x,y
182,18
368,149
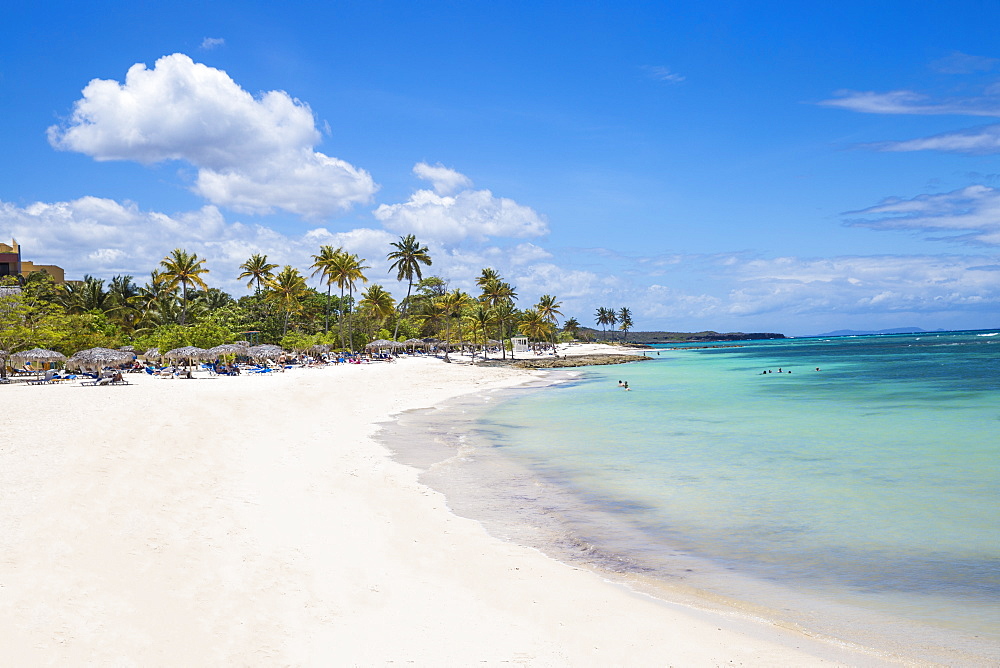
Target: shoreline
x,y
257,521
517,506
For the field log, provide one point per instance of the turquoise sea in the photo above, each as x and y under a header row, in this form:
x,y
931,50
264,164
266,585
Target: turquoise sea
x,y
855,492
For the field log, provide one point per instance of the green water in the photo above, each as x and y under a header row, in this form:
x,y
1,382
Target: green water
x,y
871,483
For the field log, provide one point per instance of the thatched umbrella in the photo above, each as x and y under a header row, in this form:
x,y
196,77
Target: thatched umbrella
x,y
98,357
379,344
151,353
320,348
37,355
127,349
188,353
227,349
265,350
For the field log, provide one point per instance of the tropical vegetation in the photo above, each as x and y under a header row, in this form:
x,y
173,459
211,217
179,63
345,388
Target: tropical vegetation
x,y
174,306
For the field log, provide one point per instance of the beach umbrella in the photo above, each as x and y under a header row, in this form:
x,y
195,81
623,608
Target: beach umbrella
x,y
265,350
38,355
152,352
379,344
320,348
226,349
412,344
188,353
97,357
127,349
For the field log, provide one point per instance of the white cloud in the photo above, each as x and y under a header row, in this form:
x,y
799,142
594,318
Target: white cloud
x,y
909,102
527,253
963,63
661,73
102,237
445,181
978,141
725,292
863,284
974,211
254,155
468,214
210,43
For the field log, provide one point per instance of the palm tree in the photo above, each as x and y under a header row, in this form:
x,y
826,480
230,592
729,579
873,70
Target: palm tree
x,y
346,271
407,258
258,270
534,325
123,298
572,325
602,320
378,303
625,318
158,302
480,319
86,296
504,312
213,299
488,274
612,321
287,288
500,296
184,269
323,265
452,305
548,308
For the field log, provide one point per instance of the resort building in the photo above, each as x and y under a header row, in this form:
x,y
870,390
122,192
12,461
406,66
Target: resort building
x,y
11,264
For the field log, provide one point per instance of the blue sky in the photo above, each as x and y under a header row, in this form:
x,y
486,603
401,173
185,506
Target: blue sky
x,y
790,167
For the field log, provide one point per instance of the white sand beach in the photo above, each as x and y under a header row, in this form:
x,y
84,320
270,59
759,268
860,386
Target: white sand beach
x,y
254,521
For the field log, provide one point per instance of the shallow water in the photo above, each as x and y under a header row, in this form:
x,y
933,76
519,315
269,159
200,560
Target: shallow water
x,y
859,501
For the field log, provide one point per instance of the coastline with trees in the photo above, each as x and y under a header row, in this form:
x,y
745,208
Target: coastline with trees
x,y
347,308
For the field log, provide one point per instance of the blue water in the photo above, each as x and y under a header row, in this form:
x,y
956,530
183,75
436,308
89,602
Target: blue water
x,y
871,484
859,501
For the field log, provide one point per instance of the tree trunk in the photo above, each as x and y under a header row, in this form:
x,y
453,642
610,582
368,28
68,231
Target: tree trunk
x,y
406,305
184,303
326,322
350,319
340,319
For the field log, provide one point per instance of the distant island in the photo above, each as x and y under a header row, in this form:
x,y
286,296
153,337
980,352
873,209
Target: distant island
x,y
674,337
869,332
